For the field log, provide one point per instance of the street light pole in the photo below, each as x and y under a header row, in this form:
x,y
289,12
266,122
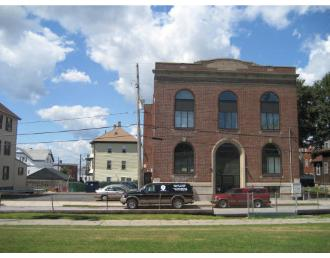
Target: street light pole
x,y
140,176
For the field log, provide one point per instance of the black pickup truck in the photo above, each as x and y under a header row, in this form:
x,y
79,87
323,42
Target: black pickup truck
x,y
175,194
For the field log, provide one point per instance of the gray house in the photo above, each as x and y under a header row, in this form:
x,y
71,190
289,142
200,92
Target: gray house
x,y
49,179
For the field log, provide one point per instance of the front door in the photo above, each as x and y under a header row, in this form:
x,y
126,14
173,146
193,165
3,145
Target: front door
x,y
227,168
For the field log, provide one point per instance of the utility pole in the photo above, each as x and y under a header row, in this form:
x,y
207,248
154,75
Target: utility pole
x,y
78,178
140,176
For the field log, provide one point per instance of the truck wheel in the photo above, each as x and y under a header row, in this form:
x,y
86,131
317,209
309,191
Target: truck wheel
x,y
257,204
131,204
223,204
177,203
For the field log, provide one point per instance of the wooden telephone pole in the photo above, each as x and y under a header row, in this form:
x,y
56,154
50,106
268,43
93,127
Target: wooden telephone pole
x,y
138,101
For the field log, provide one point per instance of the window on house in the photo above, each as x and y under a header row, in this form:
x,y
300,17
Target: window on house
x,y
183,159
318,169
123,179
124,149
184,109
271,160
6,150
109,164
0,147
123,165
108,179
5,173
128,179
270,118
9,124
110,150
20,171
1,119
227,110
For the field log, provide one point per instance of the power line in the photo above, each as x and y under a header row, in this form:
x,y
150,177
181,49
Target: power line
x,y
74,118
71,130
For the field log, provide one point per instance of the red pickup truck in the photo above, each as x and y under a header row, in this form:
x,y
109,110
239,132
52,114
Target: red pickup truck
x,y
238,197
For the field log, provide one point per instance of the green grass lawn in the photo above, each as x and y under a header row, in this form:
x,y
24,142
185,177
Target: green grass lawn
x,y
247,238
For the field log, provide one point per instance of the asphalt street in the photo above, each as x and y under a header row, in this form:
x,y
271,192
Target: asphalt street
x,y
86,202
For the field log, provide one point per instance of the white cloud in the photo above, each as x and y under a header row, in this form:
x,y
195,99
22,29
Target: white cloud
x,y
28,54
296,34
72,75
318,61
66,151
118,37
91,117
275,16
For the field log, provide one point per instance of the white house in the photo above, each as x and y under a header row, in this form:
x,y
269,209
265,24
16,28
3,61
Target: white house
x,y
12,171
35,159
114,156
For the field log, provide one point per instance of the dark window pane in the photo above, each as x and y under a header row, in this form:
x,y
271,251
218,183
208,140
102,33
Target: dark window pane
x,y
184,105
269,97
276,121
228,106
228,96
271,160
177,119
270,111
233,120
190,119
183,159
184,94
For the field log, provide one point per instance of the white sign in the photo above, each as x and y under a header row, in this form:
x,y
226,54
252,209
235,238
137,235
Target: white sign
x,y
296,189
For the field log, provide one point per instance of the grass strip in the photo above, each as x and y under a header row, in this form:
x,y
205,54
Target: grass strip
x,y
303,238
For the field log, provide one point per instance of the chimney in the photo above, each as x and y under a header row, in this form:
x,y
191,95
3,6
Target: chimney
x,y
119,124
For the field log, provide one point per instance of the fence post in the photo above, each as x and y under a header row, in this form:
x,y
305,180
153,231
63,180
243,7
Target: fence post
x,y
0,199
252,202
296,199
248,204
107,201
276,205
160,196
52,202
317,199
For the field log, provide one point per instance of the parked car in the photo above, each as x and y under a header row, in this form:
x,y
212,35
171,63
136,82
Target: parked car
x,y
238,197
91,186
129,185
111,192
175,194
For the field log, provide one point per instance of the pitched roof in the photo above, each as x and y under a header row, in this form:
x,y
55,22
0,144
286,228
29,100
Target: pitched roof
x,y
5,110
48,174
118,134
37,154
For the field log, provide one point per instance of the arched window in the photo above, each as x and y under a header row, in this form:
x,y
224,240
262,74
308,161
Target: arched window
x,y
227,110
183,159
184,109
270,118
271,159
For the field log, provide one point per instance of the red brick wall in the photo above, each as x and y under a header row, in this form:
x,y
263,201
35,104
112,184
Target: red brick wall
x,y
206,133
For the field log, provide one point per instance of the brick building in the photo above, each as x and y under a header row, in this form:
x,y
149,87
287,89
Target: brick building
x,y
222,123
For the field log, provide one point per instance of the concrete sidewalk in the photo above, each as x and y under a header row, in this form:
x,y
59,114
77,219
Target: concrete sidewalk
x,y
144,223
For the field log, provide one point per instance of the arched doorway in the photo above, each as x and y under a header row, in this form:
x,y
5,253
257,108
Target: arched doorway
x,y
227,167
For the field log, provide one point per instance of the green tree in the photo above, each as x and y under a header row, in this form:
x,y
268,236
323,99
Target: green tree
x,y
314,112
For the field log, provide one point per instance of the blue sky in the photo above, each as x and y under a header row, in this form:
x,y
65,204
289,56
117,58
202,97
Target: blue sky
x,y
64,62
